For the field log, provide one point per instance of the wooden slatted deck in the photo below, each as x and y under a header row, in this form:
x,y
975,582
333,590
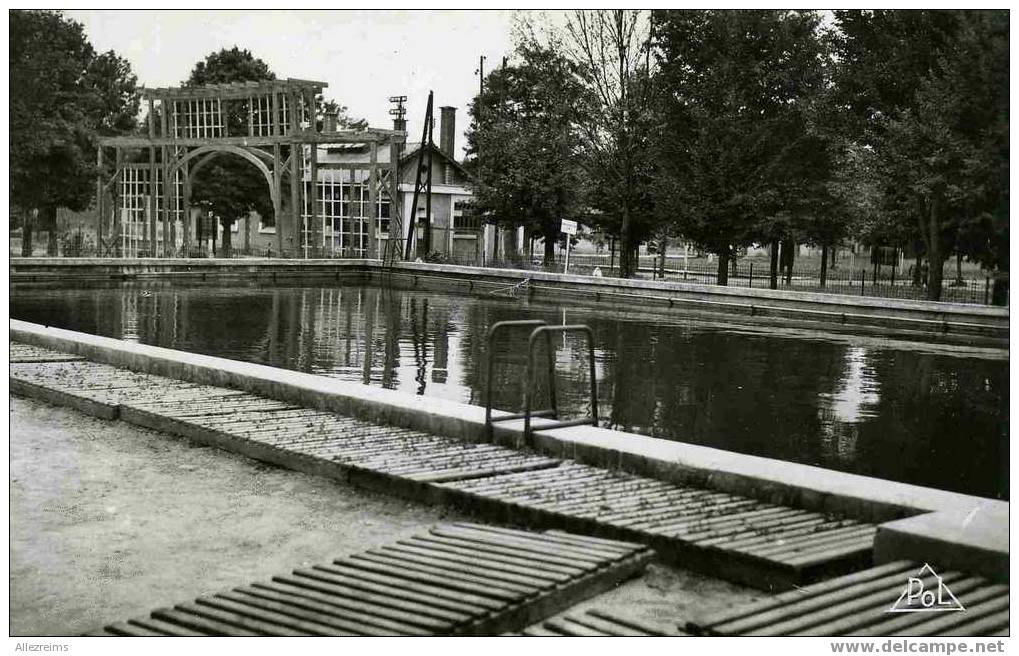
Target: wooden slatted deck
x,y
457,579
29,353
596,623
737,538
858,604
760,544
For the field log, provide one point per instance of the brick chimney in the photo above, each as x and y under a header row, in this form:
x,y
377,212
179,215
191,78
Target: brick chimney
x,y
329,122
447,131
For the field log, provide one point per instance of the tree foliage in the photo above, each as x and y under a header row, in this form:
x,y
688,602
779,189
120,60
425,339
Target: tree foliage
x,y
740,162
612,50
525,141
929,90
64,95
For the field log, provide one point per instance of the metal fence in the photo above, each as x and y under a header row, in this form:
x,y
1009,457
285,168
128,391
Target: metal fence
x,y
883,282
886,282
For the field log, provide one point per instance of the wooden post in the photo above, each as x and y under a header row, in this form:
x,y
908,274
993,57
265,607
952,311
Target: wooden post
x,y
315,227
164,209
151,186
99,201
275,121
186,214
277,177
168,187
373,202
293,115
118,176
295,199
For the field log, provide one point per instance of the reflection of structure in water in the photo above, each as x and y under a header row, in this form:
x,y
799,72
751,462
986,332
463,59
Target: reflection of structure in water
x,y
842,412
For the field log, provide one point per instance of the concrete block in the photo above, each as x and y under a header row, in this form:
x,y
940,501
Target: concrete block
x,y
975,541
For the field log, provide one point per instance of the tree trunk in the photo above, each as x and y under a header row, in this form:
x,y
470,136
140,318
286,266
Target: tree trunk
x,y
958,269
548,260
824,264
917,276
247,234
50,221
26,235
215,233
935,257
790,258
612,254
999,292
661,256
773,282
626,267
227,240
723,268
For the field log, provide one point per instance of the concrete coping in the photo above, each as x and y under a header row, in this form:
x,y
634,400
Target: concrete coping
x,y
776,481
735,294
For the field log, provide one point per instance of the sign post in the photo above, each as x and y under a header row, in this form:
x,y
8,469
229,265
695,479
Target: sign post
x,y
568,228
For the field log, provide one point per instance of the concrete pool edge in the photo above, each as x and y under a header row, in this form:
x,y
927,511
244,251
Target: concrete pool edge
x,y
947,321
927,537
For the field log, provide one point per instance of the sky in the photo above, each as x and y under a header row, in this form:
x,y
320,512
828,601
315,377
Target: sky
x,y
364,56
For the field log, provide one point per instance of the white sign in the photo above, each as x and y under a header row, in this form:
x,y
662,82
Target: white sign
x,y
568,227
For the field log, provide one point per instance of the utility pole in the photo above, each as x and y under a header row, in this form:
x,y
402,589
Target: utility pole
x,y
426,142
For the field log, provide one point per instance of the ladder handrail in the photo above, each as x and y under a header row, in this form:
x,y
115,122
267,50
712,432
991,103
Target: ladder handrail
x,y
496,328
547,331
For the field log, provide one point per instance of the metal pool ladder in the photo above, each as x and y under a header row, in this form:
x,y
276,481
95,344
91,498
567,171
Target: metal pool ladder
x,y
539,328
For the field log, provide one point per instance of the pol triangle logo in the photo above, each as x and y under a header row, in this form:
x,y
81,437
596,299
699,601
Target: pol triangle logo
x,y
926,592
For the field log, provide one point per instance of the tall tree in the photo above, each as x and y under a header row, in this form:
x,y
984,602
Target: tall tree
x,y
739,161
525,140
929,90
66,95
613,51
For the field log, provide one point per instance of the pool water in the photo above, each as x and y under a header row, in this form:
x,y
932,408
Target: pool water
x,y
924,414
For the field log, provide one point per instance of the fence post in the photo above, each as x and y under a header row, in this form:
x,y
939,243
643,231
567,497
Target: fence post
x,y
987,290
863,279
751,283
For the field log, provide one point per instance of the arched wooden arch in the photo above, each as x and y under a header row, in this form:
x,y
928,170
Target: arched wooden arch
x,y
213,151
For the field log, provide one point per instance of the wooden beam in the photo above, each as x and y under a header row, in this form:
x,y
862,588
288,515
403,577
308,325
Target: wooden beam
x,y
395,206
308,137
232,90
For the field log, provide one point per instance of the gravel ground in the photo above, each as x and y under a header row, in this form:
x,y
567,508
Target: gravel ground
x,y
109,521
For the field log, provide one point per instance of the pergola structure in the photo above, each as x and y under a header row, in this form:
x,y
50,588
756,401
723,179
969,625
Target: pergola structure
x,y
273,125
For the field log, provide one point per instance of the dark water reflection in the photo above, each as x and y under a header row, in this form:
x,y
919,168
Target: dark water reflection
x,y
904,413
